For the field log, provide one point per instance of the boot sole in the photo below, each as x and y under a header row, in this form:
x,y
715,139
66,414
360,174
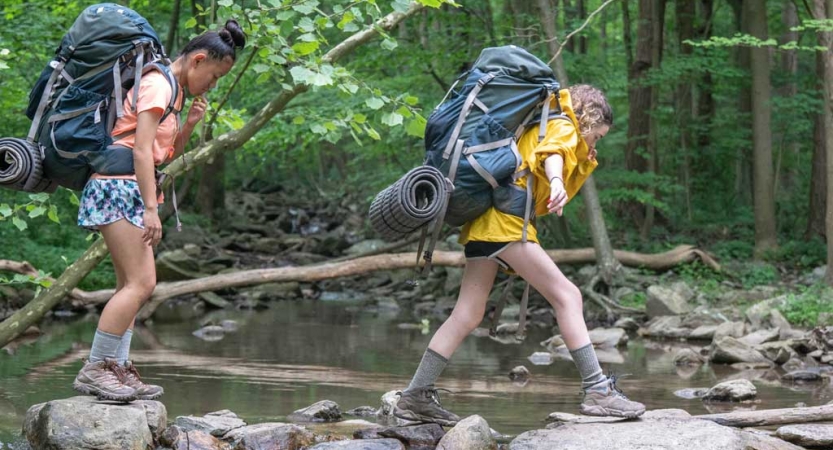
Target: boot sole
x,y
601,411
101,395
149,397
409,415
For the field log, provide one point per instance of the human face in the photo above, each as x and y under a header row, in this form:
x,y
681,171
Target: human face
x,y
596,133
203,72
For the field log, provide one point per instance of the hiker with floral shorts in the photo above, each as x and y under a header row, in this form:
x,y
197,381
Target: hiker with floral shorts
x,y
560,163
125,208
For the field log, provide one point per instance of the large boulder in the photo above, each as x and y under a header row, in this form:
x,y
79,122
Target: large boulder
x,y
323,411
729,351
608,337
178,439
808,435
471,433
732,391
665,301
416,437
284,436
84,422
664,433
216,423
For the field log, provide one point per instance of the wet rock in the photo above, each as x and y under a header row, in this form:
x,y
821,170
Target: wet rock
x,y
688,357
608,337
778,352
179,310
177,265
519,373
691,393
541,358
667,434
323,411
216,424
729,350
664,301
627,323
284,436
374,444
83,422
761,336
416,437
665,327
471,433
553,343
808,435
214,300
363,411
731,391
368,433
176,438
802,376
668,413
732,329
777,320
210,333
703,333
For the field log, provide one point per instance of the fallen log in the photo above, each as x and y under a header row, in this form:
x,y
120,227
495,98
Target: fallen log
x,y
785,416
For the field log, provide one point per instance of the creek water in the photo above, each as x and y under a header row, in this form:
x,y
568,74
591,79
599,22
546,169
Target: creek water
x,y
297,353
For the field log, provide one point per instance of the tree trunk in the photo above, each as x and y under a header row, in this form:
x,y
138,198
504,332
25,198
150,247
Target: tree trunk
x,y
653,127
823,9
764,198
743,167
640,101
789,66
627,34
609,266
33,312
685,15
211,191
171,40
705,97
818,174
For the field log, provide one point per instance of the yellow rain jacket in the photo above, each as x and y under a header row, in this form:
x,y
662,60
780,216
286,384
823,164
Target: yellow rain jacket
x,y
562,138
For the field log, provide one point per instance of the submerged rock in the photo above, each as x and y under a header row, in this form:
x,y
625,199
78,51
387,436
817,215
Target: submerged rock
x,y
519,373
733,391
808,435
423,436
285,436
217,423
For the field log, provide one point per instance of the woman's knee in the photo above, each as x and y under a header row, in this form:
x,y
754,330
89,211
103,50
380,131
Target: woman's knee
x,y
143,286
468,319
565,295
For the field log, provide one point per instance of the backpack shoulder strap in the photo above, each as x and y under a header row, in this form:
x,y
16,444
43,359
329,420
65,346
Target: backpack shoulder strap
x,y
171,108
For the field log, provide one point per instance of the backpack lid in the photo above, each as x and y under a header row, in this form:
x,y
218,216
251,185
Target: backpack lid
x,y
514,61
101,30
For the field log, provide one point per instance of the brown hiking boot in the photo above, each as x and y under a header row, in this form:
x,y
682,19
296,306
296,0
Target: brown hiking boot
x,y
606,399
105,380
423,405
134,380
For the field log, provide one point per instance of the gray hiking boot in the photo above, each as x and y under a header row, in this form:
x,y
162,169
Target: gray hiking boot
x,y
606,399
134,380
423,405
105,380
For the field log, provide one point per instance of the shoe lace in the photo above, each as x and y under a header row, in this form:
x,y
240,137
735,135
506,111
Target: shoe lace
x,y
433,393
117,369
132,370
613,378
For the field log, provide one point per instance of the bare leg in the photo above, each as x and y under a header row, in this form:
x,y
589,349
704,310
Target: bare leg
x,y
536,267
135,273
478,279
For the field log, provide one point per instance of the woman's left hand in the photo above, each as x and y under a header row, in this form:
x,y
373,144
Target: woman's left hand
x,y
197,111
558,196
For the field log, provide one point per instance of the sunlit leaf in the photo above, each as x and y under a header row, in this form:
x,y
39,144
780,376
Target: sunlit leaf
x,y
374,103
19,223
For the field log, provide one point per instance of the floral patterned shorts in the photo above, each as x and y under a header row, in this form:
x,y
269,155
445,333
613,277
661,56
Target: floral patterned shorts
x,y
105,201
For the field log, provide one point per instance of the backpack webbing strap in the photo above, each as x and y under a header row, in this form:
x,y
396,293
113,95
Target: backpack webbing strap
x,y
530,179
438,222
520,335
501,302
44,99
118,95
464,113
137,78
482,172
545,114
171,105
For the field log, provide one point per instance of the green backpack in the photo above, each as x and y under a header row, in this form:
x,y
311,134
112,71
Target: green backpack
x,y
80,94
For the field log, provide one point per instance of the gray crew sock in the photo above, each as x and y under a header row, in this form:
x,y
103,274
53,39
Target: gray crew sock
x,y
429,369
588,366
123,352
105,345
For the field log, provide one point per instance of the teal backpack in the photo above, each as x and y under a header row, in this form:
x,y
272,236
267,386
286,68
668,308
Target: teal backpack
x,y
80,94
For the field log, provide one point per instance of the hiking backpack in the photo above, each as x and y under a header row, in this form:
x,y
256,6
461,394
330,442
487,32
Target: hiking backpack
x,y
80,94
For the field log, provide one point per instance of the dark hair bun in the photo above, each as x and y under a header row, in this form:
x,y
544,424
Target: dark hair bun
x,y
232,34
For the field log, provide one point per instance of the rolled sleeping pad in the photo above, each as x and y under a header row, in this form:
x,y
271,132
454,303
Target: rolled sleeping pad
x,y
21,166
409,204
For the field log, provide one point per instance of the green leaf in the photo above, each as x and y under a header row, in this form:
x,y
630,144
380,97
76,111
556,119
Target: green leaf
x,y
37,212
260,68
346,19
416,127
431,3
5,210
53,214
392,119
299,120
305,48
73,199
301,75
374,103
3,65
191,23
226,3
411,100
373,133
40,197
401,6
20,224
359,118
317,128
406,113
389,44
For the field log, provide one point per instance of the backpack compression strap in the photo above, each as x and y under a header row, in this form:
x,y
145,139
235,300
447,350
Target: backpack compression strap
x,y
171,108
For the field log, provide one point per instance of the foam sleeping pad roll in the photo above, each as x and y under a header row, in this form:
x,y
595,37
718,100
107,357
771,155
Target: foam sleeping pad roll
x,y
409,204
21,166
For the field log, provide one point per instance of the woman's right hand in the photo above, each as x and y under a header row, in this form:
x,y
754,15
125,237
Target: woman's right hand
x,y
558,196
153,227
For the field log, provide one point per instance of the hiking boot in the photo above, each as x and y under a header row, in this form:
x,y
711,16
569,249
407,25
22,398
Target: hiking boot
x,y
134,380
423,405
606,399
105,380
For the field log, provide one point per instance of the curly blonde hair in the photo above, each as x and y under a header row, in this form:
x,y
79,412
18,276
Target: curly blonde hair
x,y
591,107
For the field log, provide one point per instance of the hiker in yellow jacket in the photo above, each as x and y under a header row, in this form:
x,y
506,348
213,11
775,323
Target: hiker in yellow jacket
x,y
560,164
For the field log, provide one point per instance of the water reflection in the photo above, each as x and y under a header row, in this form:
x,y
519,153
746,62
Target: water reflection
x,y
296,353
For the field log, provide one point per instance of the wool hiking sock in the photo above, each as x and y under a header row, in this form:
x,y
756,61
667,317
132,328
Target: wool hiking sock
x,y
588,366
123,352
105,345
429,369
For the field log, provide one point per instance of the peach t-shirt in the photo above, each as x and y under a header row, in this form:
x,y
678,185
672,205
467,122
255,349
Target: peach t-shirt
x,y
154,94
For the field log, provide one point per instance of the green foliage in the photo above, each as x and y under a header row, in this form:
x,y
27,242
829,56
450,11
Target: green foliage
x,y
634,300
810,307
758,274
